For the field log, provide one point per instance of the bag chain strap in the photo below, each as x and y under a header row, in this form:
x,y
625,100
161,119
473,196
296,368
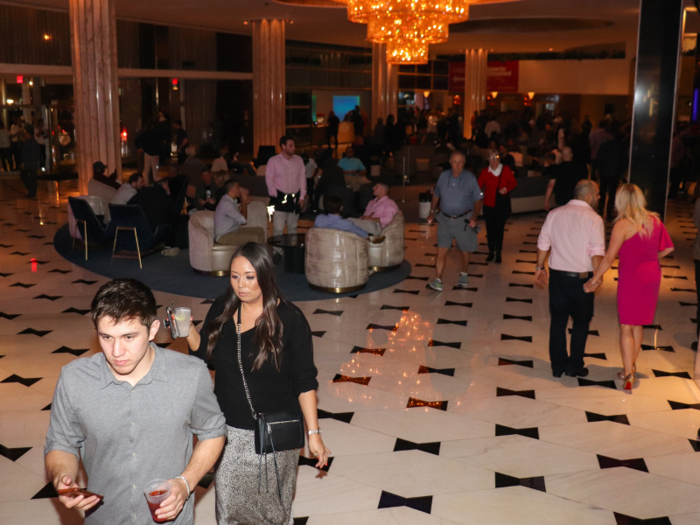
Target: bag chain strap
x,y
240,365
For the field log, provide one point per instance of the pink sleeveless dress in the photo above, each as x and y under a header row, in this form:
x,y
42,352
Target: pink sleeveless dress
x,y
640,275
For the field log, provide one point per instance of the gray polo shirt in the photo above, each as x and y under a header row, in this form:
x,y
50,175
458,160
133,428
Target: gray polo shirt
x,y
457,194
127,436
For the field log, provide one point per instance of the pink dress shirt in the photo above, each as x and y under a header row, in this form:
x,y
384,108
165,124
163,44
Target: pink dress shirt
x,y
575,233
383,209
286,175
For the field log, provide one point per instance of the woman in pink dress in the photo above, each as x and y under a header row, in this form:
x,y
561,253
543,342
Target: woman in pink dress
x,y
641,240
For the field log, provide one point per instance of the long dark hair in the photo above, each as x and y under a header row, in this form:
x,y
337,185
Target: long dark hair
x,y
268,333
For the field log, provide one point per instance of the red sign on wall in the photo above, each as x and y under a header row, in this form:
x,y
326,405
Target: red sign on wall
x,y
500,76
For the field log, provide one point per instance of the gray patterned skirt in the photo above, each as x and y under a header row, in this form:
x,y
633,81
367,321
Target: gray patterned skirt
x,y
237,499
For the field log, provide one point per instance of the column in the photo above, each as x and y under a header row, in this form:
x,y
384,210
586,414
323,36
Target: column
x,y
475,61
94,52
27,101
268,83
656,81
385,85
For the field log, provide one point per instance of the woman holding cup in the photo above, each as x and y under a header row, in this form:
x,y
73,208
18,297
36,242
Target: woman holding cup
x,y
260,346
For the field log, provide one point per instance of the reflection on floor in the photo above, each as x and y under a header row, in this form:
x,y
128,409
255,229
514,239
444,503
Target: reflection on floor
x,y
438,408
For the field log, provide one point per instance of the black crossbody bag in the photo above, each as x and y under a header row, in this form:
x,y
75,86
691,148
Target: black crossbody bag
x,y
503,205
274,431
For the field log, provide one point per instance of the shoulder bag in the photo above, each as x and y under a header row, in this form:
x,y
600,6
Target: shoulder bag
x,y
274,431
503,205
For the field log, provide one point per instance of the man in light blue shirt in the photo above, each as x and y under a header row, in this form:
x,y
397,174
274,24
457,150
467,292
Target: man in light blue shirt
x,y
334,205
350,164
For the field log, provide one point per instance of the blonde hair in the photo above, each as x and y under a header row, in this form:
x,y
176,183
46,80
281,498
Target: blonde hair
x,y
631,205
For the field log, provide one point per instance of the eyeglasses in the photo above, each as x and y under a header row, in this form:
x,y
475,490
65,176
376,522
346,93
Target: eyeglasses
x,y
494,157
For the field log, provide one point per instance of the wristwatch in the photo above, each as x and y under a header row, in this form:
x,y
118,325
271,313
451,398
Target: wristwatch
x,y
317,431
538,268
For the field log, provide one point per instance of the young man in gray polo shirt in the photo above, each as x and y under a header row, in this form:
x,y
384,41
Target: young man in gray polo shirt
x,y
459,197
129,414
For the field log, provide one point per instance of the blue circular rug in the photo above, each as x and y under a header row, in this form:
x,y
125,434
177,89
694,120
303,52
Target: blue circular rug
x,y
175,275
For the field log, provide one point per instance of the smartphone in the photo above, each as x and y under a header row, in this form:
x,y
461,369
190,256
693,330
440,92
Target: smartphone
x,y
77,491
169,321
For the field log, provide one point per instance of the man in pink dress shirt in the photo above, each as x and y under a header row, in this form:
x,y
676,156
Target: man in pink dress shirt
x,y
285,176
379,213
575,236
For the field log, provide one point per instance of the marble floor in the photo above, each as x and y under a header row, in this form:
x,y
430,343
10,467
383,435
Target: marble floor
x,y
439,408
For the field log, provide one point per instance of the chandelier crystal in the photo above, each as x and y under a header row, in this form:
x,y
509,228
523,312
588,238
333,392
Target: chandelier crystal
x,y
407,52
429,29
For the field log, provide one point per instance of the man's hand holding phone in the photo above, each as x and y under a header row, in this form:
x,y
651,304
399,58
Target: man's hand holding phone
x,y
72,496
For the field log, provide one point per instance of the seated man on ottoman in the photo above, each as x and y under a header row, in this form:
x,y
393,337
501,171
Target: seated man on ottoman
x,y
230,216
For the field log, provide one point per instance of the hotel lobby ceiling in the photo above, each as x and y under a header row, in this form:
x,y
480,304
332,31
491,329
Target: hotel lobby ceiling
x,y
515,26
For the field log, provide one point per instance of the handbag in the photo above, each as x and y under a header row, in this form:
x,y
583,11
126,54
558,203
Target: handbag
x,y
274,431
503,205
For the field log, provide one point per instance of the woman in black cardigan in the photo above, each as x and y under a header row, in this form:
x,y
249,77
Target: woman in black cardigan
x,y
277,359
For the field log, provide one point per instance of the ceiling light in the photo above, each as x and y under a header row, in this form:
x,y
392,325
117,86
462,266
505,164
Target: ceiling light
x,y
10,101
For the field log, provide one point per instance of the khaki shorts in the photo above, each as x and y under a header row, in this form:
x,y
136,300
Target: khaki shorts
x,y
449,229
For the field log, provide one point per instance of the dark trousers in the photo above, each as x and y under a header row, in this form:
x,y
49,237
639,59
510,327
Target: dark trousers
x,y
697,288
567,299
676,176
495,226
6,158
17,153
29,180
608,188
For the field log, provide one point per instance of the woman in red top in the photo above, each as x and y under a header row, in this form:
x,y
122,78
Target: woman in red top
x,y
496,182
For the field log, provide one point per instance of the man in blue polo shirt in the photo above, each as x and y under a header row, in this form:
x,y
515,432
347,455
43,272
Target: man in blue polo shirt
x,y
456,205
350,164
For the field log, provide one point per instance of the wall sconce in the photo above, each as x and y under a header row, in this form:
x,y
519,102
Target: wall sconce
x,y
531,94
494,94
426,94
10,101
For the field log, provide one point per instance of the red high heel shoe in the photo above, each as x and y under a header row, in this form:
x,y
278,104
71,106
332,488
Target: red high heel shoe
x,y
629,383
621,374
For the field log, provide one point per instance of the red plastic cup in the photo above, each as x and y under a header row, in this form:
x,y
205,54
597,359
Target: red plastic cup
x,y
157,491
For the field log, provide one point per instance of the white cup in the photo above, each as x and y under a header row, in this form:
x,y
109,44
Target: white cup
x,y
182,320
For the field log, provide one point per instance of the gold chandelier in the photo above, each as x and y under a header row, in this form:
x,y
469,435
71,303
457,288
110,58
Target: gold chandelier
x,y
407,26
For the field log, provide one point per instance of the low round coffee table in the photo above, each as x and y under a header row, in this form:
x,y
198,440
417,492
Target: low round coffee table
x,y
294,248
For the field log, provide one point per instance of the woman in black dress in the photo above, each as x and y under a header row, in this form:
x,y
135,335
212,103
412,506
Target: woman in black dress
x,y
277,360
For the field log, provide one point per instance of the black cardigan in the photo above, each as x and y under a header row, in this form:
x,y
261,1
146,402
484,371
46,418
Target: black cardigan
x,y
270,390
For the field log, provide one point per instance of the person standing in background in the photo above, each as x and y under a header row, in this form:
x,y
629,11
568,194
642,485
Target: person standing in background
x,y
16,139
5,148
181,141
31,154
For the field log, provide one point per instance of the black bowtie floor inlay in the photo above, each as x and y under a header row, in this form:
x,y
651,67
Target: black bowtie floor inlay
x,y
527,251
502,392
21,230
452,303
457,288
434,342
536,483
301,521
676,267
13,454
514,300
675,277
588,382
524,338
668,348
415,402
520,317
56,270
518,272
661,373
412,292
26,381
389,307
388,500
5,274
590,332
206,480
443,371
83,281
414,277
389,327
49,297
77,352
430,254
337,313
36,261
689,290
339,378
596,356
47,492
318,334
447,321
430,448
20,253
421,265
344,417
622,519
207,301
518,285
22,285
525,262
505,362
373,351
9,316
47,407
7,245
502,430
653,326
31,331
594,418
72,310
311,462
37,236
634,464
675,405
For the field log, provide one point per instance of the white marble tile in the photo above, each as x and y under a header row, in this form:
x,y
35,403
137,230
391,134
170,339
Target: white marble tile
x,y
684,423
392,516
24,429
18,483
327,493
44,511
603,401
349,439
683,467
350,397
15,397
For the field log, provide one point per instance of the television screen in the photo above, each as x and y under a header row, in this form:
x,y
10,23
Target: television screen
x,y
344,103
